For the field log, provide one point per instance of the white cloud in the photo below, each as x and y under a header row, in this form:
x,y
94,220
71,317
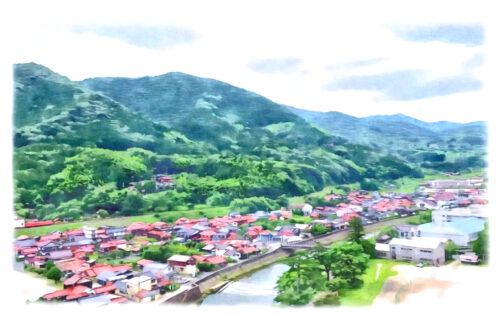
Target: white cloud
x,y
231,35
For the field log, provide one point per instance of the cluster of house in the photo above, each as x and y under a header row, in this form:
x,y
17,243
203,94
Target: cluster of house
x,y
373,206
102,284
458,215
85,281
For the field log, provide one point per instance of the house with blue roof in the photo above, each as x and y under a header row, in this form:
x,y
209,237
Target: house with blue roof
x,y
461,231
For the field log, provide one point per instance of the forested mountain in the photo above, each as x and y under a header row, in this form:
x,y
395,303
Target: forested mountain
x,y
227,117
439,145
77,150
81,147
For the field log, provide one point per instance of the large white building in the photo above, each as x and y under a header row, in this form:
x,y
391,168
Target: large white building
x,y
418,249
461,231
448,215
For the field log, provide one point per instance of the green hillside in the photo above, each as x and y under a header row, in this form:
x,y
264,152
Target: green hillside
x,y
77,151
227,117
441,146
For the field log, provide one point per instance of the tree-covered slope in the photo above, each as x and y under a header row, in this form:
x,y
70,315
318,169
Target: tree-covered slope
x,y
78,151
228,117
49,108
439,145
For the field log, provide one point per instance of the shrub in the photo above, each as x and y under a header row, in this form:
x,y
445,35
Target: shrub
x,y
318,230
450,249
328,300
205,267
102,213
55,274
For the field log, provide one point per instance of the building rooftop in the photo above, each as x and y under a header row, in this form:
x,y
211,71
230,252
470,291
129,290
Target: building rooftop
x,y
179,258
422,242
463,226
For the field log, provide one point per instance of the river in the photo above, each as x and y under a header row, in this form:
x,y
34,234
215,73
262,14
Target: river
x,y
256,289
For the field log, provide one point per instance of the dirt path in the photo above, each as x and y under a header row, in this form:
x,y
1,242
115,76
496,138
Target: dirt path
x,y
453,283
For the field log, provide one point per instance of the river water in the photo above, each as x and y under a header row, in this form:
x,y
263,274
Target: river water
x,y
255,289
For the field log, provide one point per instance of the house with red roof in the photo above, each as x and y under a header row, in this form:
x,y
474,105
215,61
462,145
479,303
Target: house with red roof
x,y
50,237
161,226
144,262
216,260
111,246
70,293
139,228
254,231
348,216
77,279
247,251
72,265
207,235
159,235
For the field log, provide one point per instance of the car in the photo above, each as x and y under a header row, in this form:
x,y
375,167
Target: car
x,y
420,265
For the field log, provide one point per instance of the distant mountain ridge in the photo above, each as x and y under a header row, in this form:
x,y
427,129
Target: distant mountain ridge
x,y
410,138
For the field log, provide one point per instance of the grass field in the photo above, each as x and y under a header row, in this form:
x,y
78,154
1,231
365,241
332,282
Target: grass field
x,y
364,295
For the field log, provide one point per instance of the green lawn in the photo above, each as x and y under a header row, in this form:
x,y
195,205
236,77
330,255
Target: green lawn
x,y
36,231
365,295
302,219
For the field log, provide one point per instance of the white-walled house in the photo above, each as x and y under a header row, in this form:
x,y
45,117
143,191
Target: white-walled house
x,y
89,232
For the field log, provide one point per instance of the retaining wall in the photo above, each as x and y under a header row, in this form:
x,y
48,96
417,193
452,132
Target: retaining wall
x,y
187,296
249,265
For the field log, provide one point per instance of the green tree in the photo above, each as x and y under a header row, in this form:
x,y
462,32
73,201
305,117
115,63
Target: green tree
x,y
325,257
390,231
369,247
55,274
480,246
450,249
351,261
318,229
102,213
206,267
291,297
303,273
133,204
356,229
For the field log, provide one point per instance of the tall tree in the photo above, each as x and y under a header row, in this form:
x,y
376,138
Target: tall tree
x,y
325,257
357,230
480,246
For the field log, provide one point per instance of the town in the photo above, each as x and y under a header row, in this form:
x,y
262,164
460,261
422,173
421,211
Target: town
x,y
153,262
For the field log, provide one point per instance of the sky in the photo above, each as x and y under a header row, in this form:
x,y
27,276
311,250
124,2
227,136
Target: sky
x,y
358,58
